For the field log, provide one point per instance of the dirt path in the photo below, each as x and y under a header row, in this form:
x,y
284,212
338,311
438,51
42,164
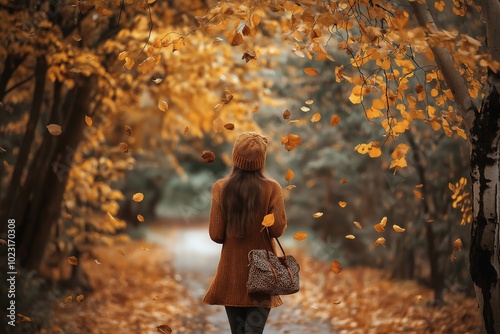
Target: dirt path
x,y
195,259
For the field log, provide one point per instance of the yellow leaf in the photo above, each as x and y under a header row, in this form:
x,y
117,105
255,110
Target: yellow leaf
x,y
138,197
124,147
73,260
336,266
311,71
88,120
350,236
356,96
383,221
334,120
289,187
379,228
300,235
68,299
54,129
380,241
140,218
218,125
79,298
291,141
309,102
122,55
357,224
457,244
417,194
289,175
163,106
374,151
255,109
373,113
439,5
342,204
318,214
316,117
128,130
129,63
398,228
268,220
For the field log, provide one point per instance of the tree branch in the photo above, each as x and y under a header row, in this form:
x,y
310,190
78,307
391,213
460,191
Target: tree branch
x,y
445,62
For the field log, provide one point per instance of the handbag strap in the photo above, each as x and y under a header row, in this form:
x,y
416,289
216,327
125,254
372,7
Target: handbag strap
x,y
270,236
285,259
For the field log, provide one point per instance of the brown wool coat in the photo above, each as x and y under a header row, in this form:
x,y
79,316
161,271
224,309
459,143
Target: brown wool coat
x,y
228,287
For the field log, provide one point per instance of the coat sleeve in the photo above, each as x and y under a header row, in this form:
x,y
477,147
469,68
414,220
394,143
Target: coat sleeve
x,y
216,226
278,209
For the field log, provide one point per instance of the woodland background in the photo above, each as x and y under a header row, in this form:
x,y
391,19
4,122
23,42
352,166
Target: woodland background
x,y
116,117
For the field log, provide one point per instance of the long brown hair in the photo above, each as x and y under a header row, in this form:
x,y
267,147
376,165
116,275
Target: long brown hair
x,y
241,198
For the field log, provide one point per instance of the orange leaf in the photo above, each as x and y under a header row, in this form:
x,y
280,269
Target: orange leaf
x,y
236,39
163,106
398,228
358,225
291,141
379,228
289,175
88,120
300,235
311,71
343,180
318,214
383,221
457,244
164,329
417,194
229,126
124,147
208,156
54,129
79,298
268,220
138,197
140,218
287,114
334,120
289,187
336,266
68,300
380,241
129,63
73,260
342,204
316,117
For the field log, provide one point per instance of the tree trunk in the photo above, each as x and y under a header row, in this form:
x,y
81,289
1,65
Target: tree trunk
x,y
485,232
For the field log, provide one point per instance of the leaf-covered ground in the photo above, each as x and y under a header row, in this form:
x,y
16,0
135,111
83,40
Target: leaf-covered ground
x,y
139,286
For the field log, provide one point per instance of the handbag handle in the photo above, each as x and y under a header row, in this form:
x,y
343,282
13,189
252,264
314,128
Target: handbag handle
x,y
269,233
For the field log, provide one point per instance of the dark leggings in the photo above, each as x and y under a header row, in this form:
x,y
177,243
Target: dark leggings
x,y
247,320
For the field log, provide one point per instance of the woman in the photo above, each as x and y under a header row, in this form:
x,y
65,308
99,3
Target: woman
x,y
239,203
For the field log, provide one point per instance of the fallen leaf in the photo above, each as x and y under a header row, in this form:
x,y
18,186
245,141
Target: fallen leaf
x,y
119,251
287,114
163,106
268,220
68,300
300,235
208,156
138,197
73,260
88,120
77,38
380,241
164,329
124,147
79,298
54,129
457,244
128,130
336,266
289,175
318,214
398,228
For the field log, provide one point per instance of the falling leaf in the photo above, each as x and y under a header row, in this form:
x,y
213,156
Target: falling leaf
x,y
54,129
88,120
309,102
357,224
287,114
129,63
255,109
128,130
249,55
122,55
383,221
97,261
164,329
336,266
316,117
208,156
186,129
218,125
229,126
379,228
342,204
227,96
268,220
73,260
289,187
417,194
140,218
68,299
350,236
300,235
119,251
124,147
77,38
337,302
79,298
157,80
289,175
457,244
155,297
318,214
68,217
380,241
291,141
163,106
218,107
419,185
398,228
334,120
236,39
24,318
305,109
138,197
217,41
453,257
310,71
342,181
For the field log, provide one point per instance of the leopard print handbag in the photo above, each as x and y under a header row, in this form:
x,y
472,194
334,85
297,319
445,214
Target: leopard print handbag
x,y
271,274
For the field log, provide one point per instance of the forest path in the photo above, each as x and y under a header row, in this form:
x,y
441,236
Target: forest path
x,y
194,260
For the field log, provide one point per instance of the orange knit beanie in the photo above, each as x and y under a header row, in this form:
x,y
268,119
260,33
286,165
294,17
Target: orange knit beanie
x,y
249,151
